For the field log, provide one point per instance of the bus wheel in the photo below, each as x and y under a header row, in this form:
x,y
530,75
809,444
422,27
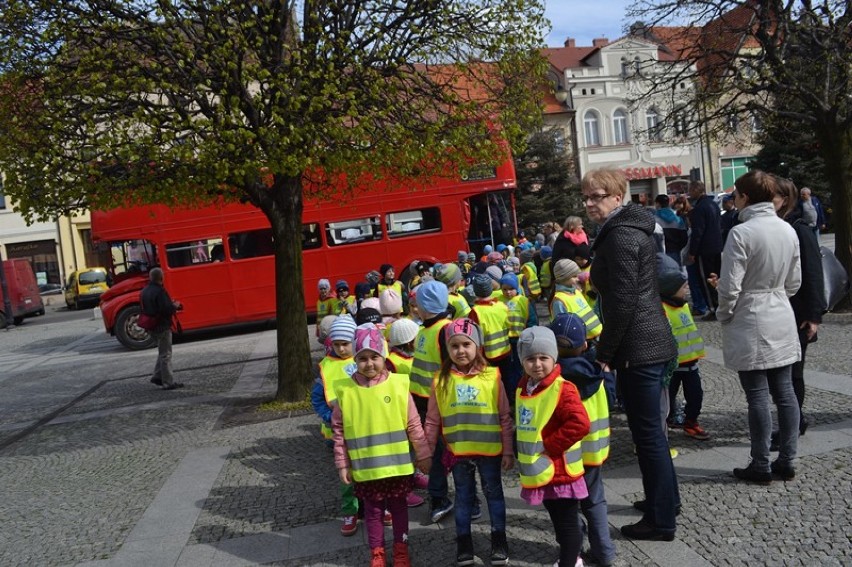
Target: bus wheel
x,y
129,333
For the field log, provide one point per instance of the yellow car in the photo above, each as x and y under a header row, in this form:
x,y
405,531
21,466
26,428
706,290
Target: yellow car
x,y
85,287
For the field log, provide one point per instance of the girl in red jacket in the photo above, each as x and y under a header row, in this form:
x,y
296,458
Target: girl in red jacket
x,y
550,423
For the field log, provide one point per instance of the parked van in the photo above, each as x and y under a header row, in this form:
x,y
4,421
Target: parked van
x,y
23,292
85,287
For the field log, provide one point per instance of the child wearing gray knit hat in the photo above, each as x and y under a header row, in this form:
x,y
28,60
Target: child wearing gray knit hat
x,y
564,270
537,340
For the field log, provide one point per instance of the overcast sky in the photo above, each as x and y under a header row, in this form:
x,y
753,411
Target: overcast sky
x,y
585,20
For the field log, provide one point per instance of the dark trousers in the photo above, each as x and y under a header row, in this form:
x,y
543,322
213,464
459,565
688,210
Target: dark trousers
x,y
693,393
709,264
642,387
798,370
563,514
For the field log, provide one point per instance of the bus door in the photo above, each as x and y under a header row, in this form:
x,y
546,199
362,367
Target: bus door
x,y
198,275
491,220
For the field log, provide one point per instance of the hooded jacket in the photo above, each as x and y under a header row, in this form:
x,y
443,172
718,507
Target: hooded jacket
x,y
636,331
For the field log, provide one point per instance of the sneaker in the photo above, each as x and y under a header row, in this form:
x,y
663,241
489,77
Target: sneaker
x,y
499,549
421,481
642,530
377,557
751,474
413,500
350,526
590,558
692,429
440,508
783,472
387,519
464,550
476,511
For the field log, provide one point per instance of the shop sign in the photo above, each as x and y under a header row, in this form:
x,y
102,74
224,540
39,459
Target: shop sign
x,y
652,172
28,249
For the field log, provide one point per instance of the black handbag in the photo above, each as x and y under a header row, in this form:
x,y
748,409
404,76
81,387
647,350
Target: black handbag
x,y
835,276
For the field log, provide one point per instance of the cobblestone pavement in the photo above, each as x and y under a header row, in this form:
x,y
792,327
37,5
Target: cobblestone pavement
x,y
77,488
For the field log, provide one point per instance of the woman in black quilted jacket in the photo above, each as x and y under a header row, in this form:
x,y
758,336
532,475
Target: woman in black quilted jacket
x,y
636,341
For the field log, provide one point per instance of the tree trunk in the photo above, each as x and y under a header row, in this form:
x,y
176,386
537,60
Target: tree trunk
x,y
836,146
284,210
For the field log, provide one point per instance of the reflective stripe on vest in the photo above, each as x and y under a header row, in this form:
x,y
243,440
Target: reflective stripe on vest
x,y
529,278
427,359
401,363
690,345
470,419
519,313
377,447
460,304
333,370
532,413
576,303
595,445
494,322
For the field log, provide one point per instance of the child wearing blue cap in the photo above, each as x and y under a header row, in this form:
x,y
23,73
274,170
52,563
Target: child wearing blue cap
x,y
590,380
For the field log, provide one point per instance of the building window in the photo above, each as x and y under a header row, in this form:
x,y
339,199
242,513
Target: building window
x,y
625,67
593,91
590,128
732,168
654,125
733,123
584,91
681,123
756,124
2,197
637,65
619,127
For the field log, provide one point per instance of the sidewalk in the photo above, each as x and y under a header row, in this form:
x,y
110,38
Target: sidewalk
x,y
130,477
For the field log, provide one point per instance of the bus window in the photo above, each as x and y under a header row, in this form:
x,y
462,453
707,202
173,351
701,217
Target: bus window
x,y
202,251
130,256
251,244
311,236
349,232
409,223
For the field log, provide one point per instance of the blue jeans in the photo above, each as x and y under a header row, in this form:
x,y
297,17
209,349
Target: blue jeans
x,y
693,393
758,386
594,510
464,476
642,388
438,486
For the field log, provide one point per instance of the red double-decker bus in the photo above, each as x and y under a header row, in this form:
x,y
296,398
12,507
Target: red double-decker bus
x,y
218,260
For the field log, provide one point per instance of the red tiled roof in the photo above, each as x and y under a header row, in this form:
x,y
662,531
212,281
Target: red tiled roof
x,y
567,57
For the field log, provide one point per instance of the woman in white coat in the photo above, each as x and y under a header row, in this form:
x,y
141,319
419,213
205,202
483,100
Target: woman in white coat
x,y
760,271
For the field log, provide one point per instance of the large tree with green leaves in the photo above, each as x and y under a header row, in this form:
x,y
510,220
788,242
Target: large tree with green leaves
x,y
778,60
105,102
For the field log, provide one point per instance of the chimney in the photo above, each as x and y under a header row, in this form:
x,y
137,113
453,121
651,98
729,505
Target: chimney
x,y
570,42
600,42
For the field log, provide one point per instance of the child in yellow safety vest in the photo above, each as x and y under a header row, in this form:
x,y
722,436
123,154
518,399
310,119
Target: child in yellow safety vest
x,y
469,408
591,382
690,349
567,298
373,454
345,302
521,316
451,276
492,316
327,303
550,423
337,366
545,272
529,275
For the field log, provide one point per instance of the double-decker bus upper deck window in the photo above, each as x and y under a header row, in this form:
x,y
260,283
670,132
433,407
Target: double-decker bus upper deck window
x,y
410,223
194,253
353,231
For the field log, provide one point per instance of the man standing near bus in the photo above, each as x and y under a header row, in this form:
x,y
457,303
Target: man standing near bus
x,y
156,302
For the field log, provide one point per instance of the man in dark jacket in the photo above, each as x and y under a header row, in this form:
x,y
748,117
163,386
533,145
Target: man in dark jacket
x,y
636,340
156,302
705,242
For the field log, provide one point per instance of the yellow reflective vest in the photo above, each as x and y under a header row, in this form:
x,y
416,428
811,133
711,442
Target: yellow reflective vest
x,y
690,345
327,307
532,414
378,446
401,362
519,314
529,281
574,302
545,277
595,445
396,286
427,358
460,305
334,370
493,319
470,413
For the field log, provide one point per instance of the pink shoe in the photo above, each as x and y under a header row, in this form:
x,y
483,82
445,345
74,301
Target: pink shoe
x,y
421,481
413,500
